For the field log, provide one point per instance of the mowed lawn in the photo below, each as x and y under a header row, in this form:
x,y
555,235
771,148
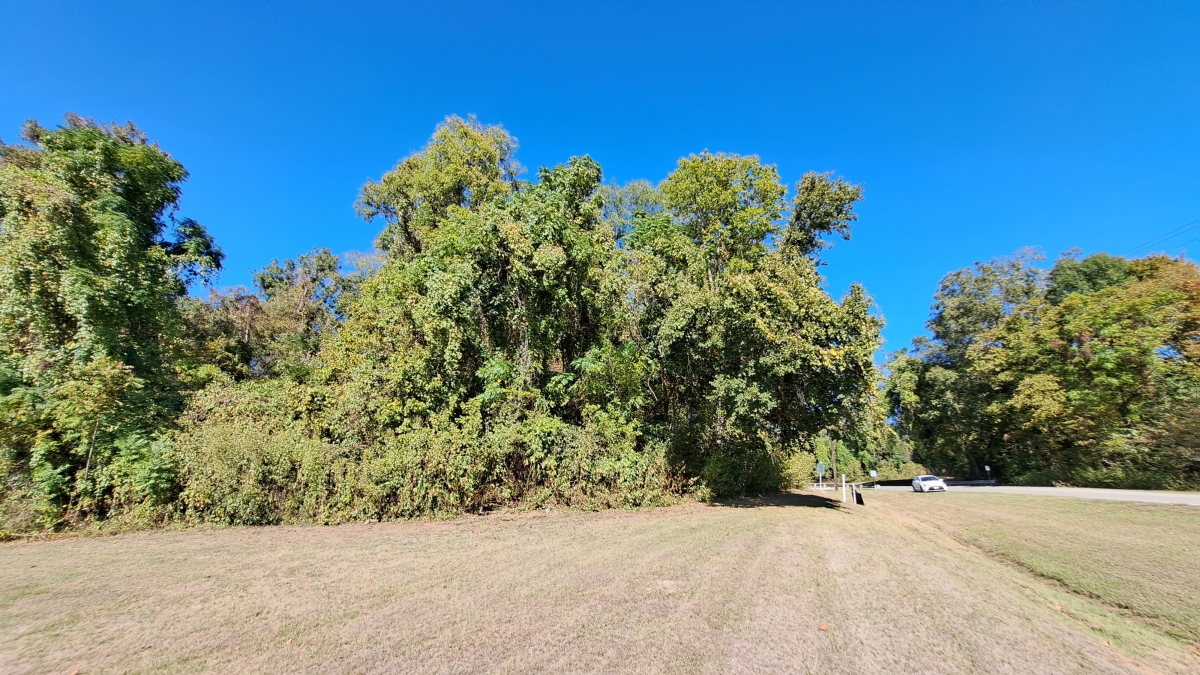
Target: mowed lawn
x,y
793,583
1141,558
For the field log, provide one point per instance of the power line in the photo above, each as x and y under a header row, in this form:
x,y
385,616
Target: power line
x,y
1164,237
1188,242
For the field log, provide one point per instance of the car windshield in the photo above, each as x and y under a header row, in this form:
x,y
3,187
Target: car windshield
x,y
928,478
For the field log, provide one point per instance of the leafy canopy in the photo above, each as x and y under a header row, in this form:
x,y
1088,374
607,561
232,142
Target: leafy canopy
x,y
92,263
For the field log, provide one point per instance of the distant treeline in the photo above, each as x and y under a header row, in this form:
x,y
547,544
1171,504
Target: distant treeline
x,y
511,341
1084,374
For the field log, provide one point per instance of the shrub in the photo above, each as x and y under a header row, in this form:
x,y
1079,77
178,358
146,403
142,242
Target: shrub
x,y
799,469
244,457
245,474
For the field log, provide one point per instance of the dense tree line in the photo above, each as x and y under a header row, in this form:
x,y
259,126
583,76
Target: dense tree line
x,y
532,341
513,341
1085,374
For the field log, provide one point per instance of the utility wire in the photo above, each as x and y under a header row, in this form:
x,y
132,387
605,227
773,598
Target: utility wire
x,y
1188,242
1164,237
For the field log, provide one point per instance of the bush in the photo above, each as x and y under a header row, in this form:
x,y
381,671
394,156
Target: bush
x,y
245,474
249,454
431,471
738,473
799,470
142,473
1163,457
899,470
245,458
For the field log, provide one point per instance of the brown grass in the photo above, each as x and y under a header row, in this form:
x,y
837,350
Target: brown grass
x,y
1140,558
692,588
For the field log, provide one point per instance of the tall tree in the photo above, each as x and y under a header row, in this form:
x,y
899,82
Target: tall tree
x,y
1079,376
1095,272
755,359
640,315
1074,381
935,393
92,261
823,206
466,165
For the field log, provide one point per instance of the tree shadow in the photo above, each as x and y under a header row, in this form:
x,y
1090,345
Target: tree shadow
x,y
781,499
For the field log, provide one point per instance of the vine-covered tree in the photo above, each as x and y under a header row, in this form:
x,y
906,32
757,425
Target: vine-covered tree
x,y
92,261
571,327
517,341
752,358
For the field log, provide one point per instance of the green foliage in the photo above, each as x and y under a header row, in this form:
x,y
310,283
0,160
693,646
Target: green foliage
x,y
751,353
1085,380
465,165
276,331
727,205
515,342
249,454
969,302
92,263
562,341
822,206
1071,275
799,470
143,472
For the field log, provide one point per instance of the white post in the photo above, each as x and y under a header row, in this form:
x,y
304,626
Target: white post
x,y
843,488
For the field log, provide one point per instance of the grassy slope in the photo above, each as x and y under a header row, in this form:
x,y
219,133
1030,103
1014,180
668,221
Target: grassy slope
x,y
1142,558
686,589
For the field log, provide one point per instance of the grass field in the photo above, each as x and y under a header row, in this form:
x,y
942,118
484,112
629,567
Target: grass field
x,y
1142,559
794,583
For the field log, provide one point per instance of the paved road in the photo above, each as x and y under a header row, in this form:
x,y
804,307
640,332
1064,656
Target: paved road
x,y
1154,496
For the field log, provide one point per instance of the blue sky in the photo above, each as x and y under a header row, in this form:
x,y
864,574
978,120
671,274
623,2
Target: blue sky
x,y
977,128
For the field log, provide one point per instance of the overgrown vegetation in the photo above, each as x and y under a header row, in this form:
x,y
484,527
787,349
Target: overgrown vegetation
x,y
512,341
554,340
93,262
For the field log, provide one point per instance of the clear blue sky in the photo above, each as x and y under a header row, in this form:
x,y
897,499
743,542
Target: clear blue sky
x,y
977,127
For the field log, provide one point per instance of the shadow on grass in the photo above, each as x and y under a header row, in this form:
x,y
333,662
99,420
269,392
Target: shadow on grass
x,y
781,499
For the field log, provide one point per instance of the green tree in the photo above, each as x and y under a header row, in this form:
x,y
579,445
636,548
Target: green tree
x,y
465,165
823,206
936,396
727,204
1075,381
972,300
1080,376
552,339
640,318
482,345
277,330
754,358
300,310
1096,272
92,262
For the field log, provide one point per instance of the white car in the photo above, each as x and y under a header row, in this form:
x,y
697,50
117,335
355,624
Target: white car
x,y
928,484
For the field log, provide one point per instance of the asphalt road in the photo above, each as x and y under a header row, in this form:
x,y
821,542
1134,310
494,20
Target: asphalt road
x,y
1153,496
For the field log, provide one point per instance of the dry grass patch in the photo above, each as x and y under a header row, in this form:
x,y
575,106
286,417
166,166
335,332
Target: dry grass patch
x,y
744,587
1141,558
